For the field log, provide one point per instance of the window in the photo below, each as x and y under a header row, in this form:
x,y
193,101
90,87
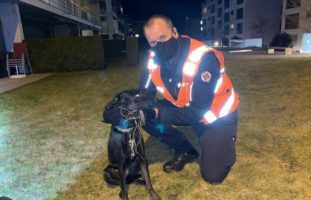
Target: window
x,y
102,5
232,12
226,30
219,12
239,1
219,24
212,32
292,4
213,9
292,21
219,1
227,17
239,28
239,13
212,20
227,4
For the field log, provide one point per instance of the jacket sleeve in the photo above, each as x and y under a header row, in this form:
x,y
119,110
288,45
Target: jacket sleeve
x,y
146,85
202,94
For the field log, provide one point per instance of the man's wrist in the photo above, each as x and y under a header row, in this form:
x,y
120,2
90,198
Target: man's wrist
x,y
156,112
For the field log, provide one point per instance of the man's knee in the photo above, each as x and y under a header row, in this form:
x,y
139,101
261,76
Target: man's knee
x,y
215,177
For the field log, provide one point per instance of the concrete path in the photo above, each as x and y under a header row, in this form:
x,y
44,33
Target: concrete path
x,y
263,55
7,84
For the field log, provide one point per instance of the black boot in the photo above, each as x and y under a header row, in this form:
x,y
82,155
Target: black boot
x,y
180,159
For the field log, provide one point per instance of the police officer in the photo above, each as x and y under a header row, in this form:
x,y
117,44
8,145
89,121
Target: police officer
x,y
197,92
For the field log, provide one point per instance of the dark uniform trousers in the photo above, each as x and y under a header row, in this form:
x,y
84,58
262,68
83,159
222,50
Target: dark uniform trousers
x,y
217,142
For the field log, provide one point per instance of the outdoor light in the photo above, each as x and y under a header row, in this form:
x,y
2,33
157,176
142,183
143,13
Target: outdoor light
x,y
232,26
201,28
216,43
137,35
201,22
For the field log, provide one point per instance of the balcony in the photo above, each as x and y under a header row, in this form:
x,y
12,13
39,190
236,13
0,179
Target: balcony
x,y
68,7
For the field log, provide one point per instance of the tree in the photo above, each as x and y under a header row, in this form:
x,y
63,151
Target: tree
x,y
260,25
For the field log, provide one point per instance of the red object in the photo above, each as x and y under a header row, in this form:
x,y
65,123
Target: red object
x,y
19,49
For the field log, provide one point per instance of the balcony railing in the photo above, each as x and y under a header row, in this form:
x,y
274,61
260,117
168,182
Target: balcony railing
x,y
74,8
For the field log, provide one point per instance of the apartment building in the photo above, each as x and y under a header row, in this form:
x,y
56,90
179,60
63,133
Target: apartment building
x,y
296,21
112,19
28,19
241,23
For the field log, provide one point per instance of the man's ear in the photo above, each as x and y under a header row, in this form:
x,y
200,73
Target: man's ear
x,y
175,33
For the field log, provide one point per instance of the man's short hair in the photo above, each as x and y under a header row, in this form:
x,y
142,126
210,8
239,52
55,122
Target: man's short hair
x,y
150,21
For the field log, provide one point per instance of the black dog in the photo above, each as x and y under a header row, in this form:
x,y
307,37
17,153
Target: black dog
x,y
126,150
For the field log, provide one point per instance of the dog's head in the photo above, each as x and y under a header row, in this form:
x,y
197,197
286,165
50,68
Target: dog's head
x,y
129,103
131,100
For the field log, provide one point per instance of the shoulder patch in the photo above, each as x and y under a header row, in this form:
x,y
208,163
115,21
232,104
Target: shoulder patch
x,y
206,76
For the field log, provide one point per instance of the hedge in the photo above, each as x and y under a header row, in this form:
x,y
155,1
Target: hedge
x,y
132,52
114,48
66,54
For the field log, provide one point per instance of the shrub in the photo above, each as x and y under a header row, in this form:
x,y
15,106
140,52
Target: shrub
x,y
66,54
132,51
281,40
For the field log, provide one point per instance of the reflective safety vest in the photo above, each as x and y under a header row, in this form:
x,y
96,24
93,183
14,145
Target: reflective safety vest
x,y
225,99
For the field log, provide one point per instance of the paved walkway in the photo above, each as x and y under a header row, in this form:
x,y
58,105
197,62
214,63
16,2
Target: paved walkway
x,y
7,84
263,55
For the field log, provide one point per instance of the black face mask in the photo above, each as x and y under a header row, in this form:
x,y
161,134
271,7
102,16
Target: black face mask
x,y
166,50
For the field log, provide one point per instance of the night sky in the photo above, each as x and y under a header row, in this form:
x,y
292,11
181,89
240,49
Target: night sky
x,y
177,10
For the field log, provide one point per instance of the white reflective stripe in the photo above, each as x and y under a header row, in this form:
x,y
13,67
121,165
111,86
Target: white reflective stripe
x,y
191,92
148,82
210,117
197,53
152,54
227,107
160,89
218,84
151,64
188,104
222,70
189,68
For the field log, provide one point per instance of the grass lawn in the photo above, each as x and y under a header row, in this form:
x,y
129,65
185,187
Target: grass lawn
x,y
53,143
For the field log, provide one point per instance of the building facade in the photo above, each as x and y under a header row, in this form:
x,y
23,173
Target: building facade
x,y
28,19
296,21
112,19
241,23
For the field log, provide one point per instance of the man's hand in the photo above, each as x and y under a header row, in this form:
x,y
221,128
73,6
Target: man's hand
x,y
150,113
